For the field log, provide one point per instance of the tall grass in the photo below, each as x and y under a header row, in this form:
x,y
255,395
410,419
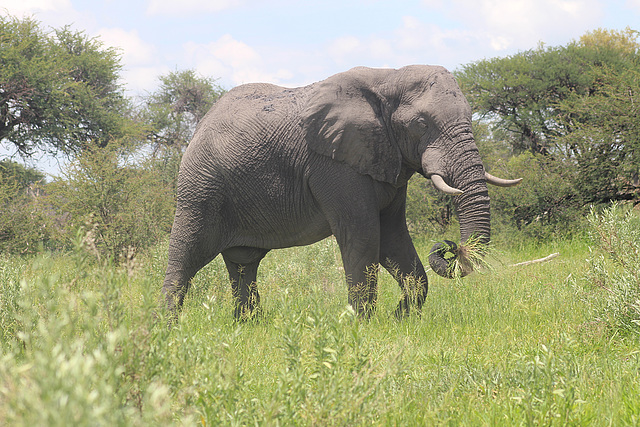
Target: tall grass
x,y
615,267
85,343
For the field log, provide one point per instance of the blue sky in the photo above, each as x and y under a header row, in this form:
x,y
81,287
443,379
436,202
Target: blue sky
x,y
293,43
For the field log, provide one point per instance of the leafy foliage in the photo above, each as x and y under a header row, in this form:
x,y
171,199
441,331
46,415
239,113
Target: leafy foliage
x,y
575,105
25,218
520,94
122,206
59,92
546,202
616,266
605,141
176,107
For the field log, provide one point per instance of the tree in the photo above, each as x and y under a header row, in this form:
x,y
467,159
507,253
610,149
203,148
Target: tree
x,y
171,114
176,107
520,94
605,141
59,91
578,106
604,137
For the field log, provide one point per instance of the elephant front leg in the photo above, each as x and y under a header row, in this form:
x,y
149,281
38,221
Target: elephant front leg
x,y
242,265
360,260
349,203
362,287
399,257
412,280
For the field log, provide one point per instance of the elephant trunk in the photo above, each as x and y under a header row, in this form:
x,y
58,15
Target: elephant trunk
x,y
472,208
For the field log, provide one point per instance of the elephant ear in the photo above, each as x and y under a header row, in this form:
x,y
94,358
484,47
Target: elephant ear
x,y
345,119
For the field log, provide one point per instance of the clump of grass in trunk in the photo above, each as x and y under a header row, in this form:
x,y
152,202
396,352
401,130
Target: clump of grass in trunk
x,y
469,257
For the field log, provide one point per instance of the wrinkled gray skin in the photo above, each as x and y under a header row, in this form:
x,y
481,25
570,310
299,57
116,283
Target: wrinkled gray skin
x,y
271,167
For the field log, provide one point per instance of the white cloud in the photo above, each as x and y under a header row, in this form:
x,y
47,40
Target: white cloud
x,y
446,32
522,23
499,43
143,79
634,5
50,13
28,7
414,42
172,7
236,53
343,48
234,62
135,51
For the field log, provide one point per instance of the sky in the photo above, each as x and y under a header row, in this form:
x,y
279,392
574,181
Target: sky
x,y
296,42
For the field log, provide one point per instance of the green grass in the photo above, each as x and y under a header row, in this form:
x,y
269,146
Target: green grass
x,y
85,344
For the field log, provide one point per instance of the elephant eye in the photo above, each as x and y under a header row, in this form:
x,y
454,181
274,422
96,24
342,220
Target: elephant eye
x,y
422,121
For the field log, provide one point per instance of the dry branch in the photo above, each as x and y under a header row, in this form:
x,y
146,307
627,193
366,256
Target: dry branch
x,y
547,258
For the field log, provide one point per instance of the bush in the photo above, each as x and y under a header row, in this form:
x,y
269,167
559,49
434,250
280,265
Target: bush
x,y
121,205
26,221
544,204
428,210
616,268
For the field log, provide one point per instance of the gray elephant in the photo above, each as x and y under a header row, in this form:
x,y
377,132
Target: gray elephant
x,y
271,167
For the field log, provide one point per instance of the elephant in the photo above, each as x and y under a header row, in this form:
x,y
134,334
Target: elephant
x,y
272,167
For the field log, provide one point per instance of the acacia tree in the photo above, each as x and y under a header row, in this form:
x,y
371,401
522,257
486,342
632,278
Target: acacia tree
x,y
171,114
175,108
520,95
59,90
569,113
605,141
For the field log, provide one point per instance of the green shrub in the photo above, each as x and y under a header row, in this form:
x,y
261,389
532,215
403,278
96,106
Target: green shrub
x,y
428,210
544,204
26,220
615,267
122,205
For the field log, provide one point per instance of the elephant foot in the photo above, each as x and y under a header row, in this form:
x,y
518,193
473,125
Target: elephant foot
x,y
406,305
245,313
403,309
367,312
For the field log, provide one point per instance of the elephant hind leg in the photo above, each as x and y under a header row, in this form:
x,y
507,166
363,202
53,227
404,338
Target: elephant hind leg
x,y
192,246
242,264
399,257
182,266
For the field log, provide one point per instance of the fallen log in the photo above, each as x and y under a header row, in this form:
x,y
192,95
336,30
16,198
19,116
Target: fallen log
x,y
535,261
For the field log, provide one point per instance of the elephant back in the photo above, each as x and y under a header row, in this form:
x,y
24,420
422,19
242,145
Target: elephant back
x,y
256,111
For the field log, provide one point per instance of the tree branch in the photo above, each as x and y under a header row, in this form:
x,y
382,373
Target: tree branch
x,y
547,258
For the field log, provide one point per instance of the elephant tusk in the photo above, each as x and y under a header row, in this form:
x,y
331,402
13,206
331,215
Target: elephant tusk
x,y
444,187
501,182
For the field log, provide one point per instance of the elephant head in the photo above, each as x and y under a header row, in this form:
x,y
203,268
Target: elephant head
x,y
390,123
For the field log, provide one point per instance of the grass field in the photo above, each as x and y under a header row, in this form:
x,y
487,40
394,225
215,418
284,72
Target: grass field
x,y
82,345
